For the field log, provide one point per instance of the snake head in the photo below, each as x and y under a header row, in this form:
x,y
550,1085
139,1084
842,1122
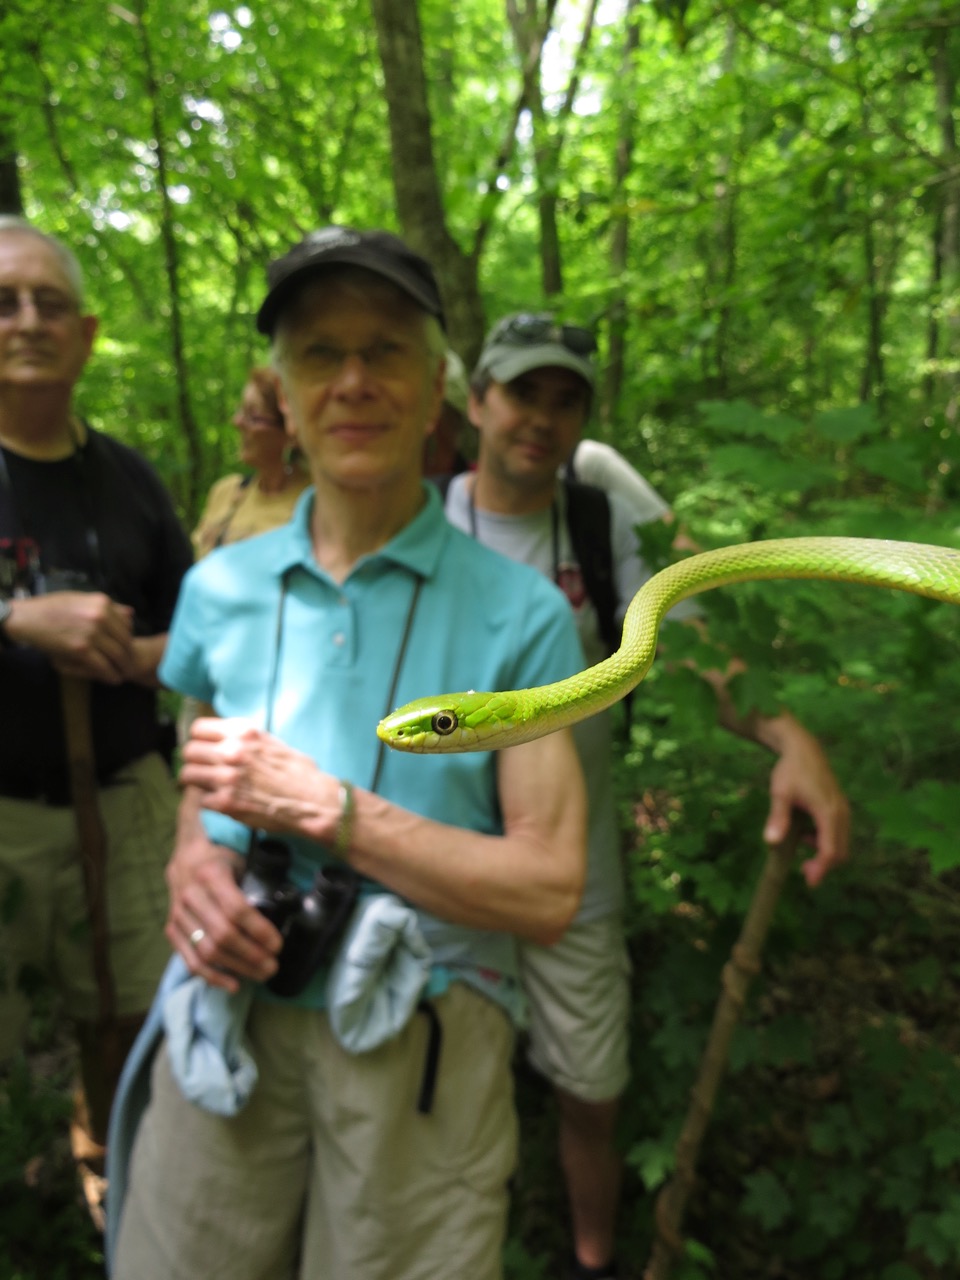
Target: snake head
x,y
447,723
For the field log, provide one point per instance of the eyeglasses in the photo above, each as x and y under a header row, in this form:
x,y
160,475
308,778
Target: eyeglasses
x,y
530,330
49,304
257,419
387,357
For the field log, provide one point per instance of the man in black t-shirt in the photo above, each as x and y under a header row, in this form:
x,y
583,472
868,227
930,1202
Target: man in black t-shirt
x,y
91,557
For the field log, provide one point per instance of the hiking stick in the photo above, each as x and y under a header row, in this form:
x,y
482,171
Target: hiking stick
x,y
91,836
738,973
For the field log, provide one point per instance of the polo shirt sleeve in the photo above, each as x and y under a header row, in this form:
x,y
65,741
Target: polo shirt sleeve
x,y
183,667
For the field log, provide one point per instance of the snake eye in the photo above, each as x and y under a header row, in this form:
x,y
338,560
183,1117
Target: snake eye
x,y
444,723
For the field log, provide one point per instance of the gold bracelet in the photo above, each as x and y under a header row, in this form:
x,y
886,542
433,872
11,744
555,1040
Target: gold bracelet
x,y
344,832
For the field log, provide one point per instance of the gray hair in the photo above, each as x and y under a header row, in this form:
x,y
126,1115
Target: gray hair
x,y
11,224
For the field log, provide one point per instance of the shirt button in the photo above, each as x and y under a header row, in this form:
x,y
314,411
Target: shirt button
x,y
338,638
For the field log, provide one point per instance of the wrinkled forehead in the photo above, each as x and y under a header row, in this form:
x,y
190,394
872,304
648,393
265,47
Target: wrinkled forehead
x,y
27,261
335,291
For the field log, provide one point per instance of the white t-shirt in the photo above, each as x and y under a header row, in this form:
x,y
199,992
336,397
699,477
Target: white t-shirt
x,y
529,538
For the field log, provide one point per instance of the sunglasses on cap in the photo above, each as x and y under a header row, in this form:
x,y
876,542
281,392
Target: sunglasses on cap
x,y
531,330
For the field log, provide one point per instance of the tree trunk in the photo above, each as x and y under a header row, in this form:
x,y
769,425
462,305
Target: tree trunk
x,y
620,229
947,254
726,232
548,179
188,425
872,379
530,32
415,182
11,196
873,375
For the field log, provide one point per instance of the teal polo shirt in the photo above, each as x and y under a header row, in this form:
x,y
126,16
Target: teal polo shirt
x,y
315,662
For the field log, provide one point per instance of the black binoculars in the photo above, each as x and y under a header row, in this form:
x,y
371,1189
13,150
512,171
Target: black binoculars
x,y
311,923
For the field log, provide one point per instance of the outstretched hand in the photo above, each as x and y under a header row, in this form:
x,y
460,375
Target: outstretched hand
x,y
802,778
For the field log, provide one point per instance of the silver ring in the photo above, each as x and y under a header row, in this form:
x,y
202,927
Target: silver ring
x,y
197,937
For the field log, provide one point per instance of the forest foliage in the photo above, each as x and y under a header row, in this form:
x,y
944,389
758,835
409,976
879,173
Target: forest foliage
x,y
757,205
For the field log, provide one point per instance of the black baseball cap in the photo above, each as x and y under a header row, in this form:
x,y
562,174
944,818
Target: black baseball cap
x,y
378,251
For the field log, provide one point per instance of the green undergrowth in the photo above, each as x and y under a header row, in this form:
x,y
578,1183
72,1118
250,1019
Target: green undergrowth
x,y
45,1229
834,1149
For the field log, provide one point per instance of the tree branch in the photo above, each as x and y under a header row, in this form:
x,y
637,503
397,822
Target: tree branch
x,y
738,974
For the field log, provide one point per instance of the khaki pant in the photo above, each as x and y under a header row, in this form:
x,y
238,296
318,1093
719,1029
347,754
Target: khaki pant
x,y
44,926
330,1172
578,992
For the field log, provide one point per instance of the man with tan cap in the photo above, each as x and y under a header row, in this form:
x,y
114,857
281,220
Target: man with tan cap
x,y
530,398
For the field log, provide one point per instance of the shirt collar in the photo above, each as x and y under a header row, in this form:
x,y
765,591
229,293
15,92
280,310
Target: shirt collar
x,y
417,547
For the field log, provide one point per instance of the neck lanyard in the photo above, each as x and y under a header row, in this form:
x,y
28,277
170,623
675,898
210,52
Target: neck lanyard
x,y
394,680
554,528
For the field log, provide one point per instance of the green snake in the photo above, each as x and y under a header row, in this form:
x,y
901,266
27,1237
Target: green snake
x,y
488,721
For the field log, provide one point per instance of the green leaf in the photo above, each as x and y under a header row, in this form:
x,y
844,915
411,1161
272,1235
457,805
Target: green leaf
x,y
944,1146
788,1040
923,818
654,1162
766,1199
948,1223
837,1130
900,1271
754,690
698,1252
924,1233
769,470
12,900
923,975
737,417
894,460
843,426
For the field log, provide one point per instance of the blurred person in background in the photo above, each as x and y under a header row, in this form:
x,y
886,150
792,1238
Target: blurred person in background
x,y
240,505
91,559
446,451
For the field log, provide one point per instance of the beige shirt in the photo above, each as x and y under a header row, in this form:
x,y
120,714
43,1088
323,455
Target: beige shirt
x,y
235,511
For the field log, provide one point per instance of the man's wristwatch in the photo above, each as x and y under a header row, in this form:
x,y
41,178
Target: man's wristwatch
x,y
6,608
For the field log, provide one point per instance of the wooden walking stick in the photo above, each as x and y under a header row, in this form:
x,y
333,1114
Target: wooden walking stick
x,y
91,836
105,1040
738,973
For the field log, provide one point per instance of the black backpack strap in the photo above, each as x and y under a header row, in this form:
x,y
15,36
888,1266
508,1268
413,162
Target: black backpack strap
x,y
570,471
589,522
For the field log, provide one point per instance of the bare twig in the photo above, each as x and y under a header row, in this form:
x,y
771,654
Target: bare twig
x,y
738,973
